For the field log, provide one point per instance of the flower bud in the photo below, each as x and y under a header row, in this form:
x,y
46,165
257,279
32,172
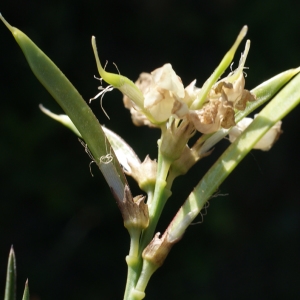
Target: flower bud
x,y
145,174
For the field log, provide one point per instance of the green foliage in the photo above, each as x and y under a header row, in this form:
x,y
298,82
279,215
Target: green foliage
x,y
11,279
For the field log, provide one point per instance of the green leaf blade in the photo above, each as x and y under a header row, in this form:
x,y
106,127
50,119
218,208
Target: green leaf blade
x,y
11,277
26,291
74,106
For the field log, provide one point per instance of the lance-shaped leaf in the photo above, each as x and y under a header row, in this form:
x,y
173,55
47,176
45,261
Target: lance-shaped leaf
x,y
26,292
224,64
11,277
75,107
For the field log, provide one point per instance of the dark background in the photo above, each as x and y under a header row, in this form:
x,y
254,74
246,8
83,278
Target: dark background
x,y
64,224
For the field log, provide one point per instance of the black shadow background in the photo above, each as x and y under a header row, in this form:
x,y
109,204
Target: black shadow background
x,y
65,227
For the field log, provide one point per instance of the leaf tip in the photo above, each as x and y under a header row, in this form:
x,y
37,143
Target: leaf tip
x,y
243,32
11,28
12,252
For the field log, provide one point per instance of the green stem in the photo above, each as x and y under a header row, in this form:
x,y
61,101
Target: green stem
x,y
133,261
156,203
147,272
161,195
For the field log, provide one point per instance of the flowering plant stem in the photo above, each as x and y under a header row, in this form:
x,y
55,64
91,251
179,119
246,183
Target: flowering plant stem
x,y
155,205
147,249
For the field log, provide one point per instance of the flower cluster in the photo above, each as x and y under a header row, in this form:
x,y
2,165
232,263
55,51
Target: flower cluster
x,y
159,97
165,96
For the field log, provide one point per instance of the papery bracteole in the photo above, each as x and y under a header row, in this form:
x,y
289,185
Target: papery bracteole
x,y
266,142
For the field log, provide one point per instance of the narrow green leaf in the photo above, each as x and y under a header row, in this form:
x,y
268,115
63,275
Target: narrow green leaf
x,y
26,291
75,107
266,91
224,64
11,277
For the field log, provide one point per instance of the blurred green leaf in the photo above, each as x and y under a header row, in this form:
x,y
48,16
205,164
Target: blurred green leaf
x,y
26,291
11,276
75,107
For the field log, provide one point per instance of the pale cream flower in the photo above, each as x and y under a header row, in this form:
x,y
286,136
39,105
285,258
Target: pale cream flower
x,y
225,96
191,93
181,106
164,95
165,88
165,78
159,103
156,97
